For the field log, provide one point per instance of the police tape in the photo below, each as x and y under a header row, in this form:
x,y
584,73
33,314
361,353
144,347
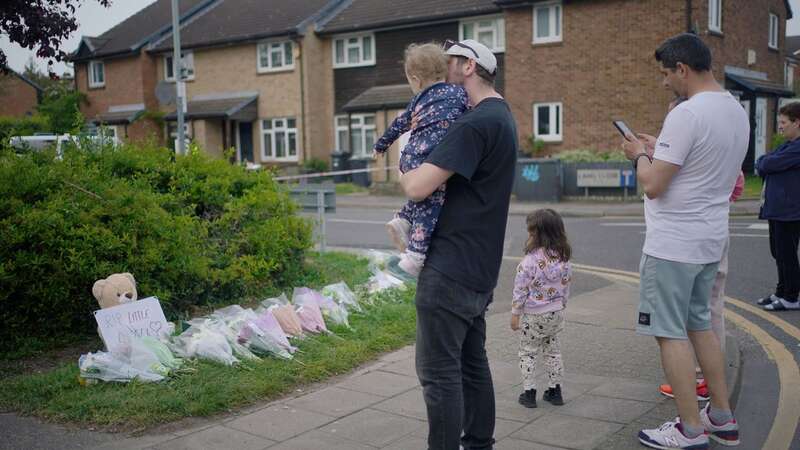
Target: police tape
x,y
333,173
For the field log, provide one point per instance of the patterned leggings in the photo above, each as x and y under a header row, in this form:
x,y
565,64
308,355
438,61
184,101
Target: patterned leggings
x,y
540,333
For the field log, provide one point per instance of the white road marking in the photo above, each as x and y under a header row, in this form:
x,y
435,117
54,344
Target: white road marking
x,y
758,226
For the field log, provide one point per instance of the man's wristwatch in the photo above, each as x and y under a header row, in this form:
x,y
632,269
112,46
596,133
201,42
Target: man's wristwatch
x,y
635,160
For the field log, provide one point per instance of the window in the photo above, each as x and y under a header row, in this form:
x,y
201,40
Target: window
x,y
342,134
187,58
354,51
547,121
715,15
547,23
275,56
773,31
279,139
97,74
488,31
359,138
788,74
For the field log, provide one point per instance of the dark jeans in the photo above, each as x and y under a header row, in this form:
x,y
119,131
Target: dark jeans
x,y
452,365
783,240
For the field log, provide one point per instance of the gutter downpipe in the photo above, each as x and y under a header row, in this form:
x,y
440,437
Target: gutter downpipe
x,y
689,16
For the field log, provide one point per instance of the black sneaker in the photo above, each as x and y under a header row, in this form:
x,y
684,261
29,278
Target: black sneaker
x,y
528,398
553,395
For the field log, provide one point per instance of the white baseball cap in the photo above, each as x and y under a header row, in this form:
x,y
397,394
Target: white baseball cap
x,y
472,49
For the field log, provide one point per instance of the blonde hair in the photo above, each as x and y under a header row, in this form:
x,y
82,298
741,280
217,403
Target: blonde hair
x,y
428,62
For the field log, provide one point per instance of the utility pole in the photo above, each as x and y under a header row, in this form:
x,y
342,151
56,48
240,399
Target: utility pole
x,y
177,72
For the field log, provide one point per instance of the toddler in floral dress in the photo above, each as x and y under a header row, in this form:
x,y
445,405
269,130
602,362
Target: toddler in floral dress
x,y
541,290
436,104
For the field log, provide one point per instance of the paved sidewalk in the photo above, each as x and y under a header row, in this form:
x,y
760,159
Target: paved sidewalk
x,y
590,208
610,392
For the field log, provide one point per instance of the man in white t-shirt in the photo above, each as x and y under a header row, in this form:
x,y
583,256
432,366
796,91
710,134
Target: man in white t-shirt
x,y
687,183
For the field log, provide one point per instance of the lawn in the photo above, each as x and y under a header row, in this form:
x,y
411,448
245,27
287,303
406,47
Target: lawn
x,y
207,388
752,187
349,188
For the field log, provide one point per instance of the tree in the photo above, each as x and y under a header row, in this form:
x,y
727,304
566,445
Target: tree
x,y
61,109
39,25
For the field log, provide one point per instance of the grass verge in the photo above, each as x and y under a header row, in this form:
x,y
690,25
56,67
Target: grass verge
x,y
752,186
349,188
211,388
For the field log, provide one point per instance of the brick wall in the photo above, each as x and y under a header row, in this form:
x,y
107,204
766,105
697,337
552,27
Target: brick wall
x,y
17,98
316,58
745,26
234,69
602,70
128,80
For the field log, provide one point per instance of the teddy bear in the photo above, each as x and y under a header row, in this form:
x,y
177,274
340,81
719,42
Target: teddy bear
x,y
115,290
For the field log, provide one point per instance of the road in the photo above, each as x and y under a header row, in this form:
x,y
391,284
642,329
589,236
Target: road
x,y
616,243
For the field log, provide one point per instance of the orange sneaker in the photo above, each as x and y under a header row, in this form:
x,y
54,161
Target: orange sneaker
x,y
701,390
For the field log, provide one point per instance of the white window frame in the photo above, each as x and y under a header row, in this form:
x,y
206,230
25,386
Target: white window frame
x,y
554,118
187,57
271,133
788,74
556,22
497,27
270,67
359,45
358,122
339,128
715,15
774,30
94,83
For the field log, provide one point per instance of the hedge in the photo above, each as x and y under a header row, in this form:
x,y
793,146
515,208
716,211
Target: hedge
x,y
194,231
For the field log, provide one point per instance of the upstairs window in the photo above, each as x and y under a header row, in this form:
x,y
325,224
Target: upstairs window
x,y
354,51
97,74
773,31
187,58
715,15
488,31
275,56
547,23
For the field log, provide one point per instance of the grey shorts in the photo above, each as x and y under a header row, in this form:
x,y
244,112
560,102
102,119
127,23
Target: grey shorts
x,y
674,297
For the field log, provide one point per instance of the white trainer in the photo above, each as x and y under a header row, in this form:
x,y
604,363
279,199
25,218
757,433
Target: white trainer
x,y
398,232
725,434
668,437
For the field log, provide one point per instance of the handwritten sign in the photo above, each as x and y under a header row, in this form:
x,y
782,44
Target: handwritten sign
x,y
140,318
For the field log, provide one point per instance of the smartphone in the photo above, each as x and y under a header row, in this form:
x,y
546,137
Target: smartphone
x,y
623,129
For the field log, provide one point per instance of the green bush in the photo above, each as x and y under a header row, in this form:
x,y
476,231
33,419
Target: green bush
x,y
195,232
21,126
315,165
583,155
777,140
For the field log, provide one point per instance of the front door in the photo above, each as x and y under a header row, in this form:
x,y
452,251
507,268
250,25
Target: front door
x,y
761,127
246,141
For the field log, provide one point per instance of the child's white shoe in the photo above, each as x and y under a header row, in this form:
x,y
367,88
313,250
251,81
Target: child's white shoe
x,y
398,232
411,263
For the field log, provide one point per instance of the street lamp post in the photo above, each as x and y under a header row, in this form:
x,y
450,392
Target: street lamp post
x,y
177,71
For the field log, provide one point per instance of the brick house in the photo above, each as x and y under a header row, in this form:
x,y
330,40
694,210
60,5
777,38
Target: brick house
x,y
573,66
259,80
367,39
119,77
19,95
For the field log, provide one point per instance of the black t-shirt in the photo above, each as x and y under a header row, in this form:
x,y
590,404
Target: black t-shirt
x,y
481,149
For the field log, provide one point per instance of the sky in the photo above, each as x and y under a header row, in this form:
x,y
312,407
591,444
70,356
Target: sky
x,y
94,20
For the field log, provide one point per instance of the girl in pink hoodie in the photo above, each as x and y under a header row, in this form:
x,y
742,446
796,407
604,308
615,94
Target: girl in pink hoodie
x,y
541,290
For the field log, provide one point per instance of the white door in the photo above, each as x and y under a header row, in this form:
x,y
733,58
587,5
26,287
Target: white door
x,y
761,127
